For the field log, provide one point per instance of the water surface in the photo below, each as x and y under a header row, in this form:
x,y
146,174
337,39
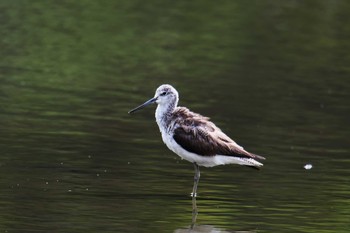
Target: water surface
x,y
273,75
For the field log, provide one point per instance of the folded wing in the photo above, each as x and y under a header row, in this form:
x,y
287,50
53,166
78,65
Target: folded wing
x,y
204,138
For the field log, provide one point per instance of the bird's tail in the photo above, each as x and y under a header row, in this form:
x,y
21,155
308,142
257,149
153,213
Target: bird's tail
x,y
254,164
255,156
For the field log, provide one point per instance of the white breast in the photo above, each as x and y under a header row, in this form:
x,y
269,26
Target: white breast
x,y
206,161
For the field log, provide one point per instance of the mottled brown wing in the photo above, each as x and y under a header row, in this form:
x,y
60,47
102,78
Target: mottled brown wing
x,y
207,140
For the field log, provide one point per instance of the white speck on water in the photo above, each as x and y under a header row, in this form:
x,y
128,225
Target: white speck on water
x,y
69,190
87,189
128,162
89,156
46,182
61,163
97,174
308,166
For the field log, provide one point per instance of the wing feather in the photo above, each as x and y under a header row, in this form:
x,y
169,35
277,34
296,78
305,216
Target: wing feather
x,y
200,136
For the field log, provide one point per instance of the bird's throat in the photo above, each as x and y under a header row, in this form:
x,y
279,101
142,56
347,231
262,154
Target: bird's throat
x,y
163,115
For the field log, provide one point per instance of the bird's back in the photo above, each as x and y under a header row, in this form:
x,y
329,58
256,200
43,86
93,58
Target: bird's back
x,y
197,134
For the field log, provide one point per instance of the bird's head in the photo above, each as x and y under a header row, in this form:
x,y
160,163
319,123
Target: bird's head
x,y
165,95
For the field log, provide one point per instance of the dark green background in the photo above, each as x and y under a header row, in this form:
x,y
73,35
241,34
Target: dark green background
x,y
274,75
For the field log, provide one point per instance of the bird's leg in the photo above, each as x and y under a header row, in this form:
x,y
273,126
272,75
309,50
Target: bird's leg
x,y
194,211
194,194
197,175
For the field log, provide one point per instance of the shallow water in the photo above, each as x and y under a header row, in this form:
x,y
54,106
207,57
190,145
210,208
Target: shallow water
x,y
273,75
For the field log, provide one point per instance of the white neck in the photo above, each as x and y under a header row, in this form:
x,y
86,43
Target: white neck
x,y
162,114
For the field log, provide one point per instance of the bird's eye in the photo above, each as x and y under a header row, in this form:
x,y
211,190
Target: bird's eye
x,y
163,93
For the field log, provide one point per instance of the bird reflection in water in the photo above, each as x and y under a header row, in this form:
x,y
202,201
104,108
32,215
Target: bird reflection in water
x,y
208,229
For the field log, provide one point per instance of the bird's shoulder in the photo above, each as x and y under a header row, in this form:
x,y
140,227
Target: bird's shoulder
x,y
182,116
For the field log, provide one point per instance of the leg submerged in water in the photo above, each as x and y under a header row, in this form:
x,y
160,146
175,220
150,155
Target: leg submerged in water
x,y
194,211
194,194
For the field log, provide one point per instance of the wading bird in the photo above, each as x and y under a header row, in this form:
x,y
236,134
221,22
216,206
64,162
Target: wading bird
x,y
194,137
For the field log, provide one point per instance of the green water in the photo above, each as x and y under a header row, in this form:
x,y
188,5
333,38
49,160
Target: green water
x,y
274,75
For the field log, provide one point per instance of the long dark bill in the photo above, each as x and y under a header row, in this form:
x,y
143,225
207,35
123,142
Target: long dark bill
x,y
148,102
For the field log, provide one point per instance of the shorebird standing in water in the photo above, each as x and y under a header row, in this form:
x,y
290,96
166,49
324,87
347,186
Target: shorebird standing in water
x,y
193,137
